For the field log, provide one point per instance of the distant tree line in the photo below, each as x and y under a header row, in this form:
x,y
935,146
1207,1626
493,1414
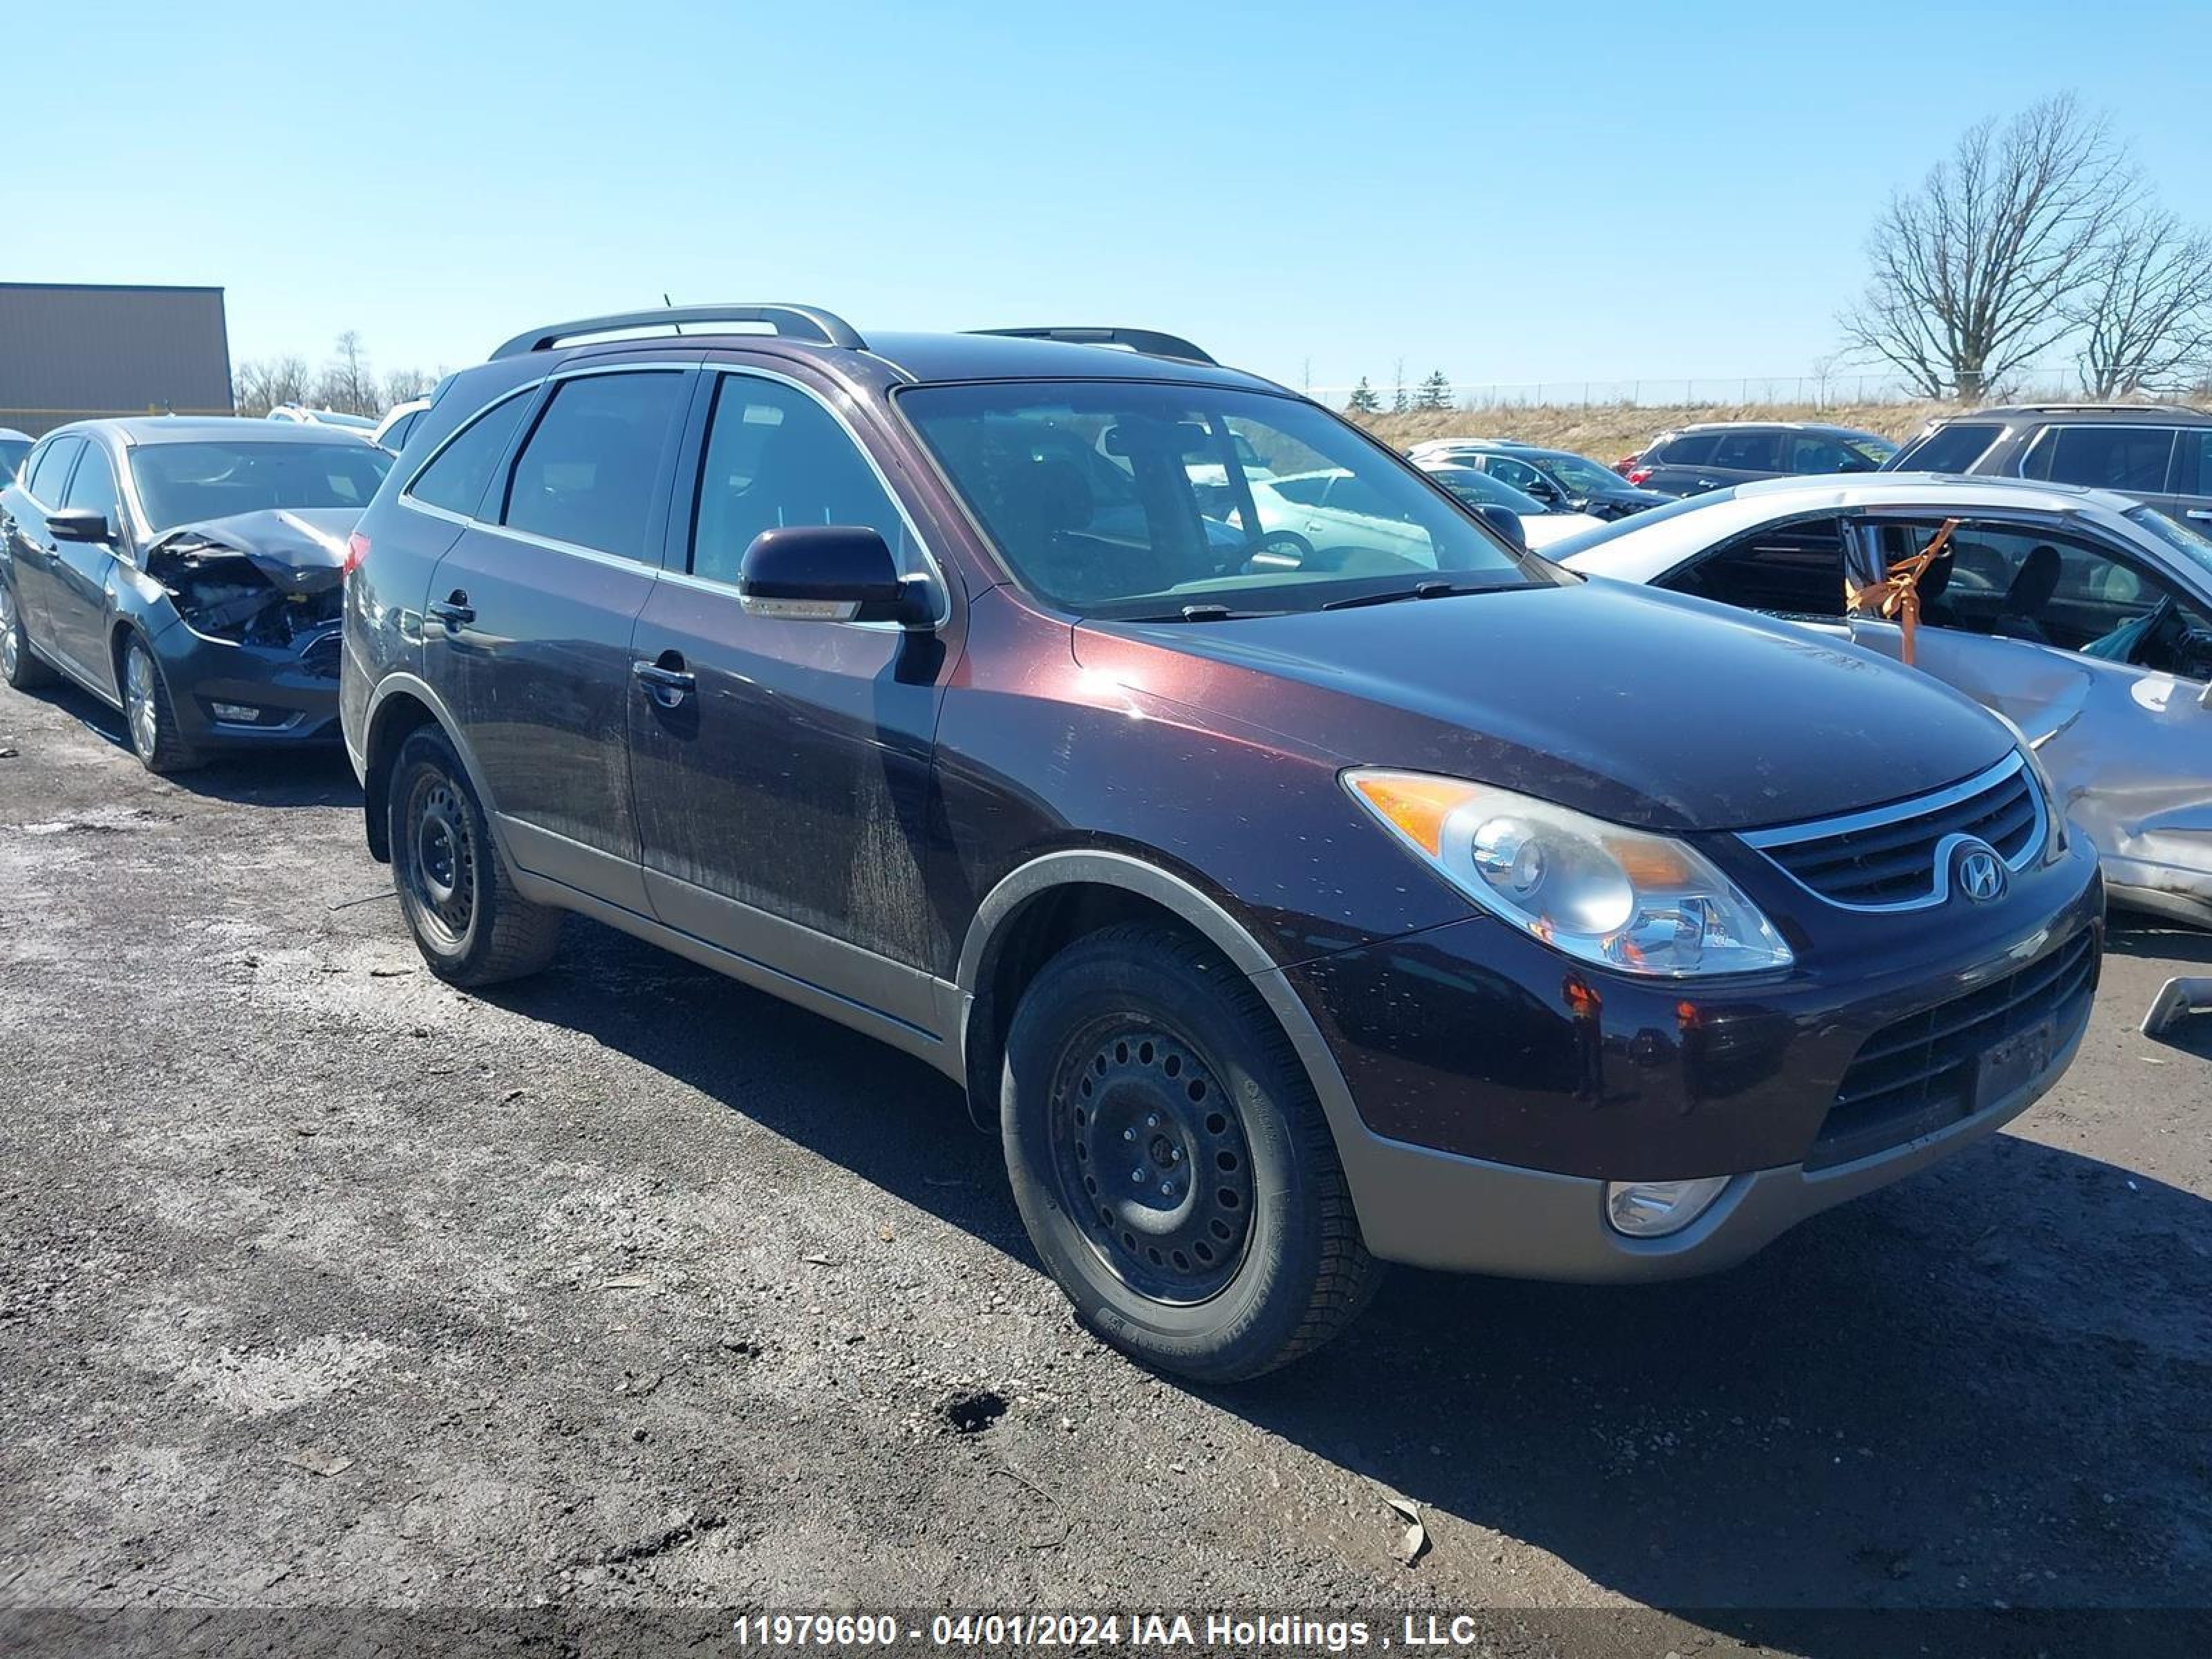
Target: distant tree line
x,y
345,382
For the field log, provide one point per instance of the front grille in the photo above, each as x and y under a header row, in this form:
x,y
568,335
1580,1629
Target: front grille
x,y
320,659
1892,858
1916,1076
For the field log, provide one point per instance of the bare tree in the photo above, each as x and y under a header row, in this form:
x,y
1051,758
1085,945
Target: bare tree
x,y
347,385
264,383
1975,271
2145,308
405,385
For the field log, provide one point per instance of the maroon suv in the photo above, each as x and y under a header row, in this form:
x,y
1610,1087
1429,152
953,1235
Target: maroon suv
x,y
1292,888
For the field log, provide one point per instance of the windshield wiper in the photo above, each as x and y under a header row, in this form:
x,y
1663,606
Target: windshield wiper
x,y
1428,590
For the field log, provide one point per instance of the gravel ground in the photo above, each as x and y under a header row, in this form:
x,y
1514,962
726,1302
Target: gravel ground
x,y
321,1284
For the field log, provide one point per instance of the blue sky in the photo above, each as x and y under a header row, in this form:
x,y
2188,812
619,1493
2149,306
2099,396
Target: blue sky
x,y
1510,193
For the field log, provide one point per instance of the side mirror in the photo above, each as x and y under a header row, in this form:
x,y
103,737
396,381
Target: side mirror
x,y
1505,524
79,524
828,573
1542,489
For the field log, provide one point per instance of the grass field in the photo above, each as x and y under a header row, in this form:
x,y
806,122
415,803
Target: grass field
x,y
1606,432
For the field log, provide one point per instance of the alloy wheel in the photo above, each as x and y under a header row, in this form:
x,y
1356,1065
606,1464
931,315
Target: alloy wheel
x,y
11,644
139,705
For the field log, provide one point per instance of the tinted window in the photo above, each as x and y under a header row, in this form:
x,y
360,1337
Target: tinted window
x,y
1690,449
2193,475
457,479
1752,452
2133,458
12,451
776,457
1811,452
1954,447
185,482
1794,569
93,486
1086,489
50,469
587,474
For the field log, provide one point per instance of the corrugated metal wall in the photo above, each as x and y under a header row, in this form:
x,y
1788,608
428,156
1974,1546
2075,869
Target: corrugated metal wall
x,y
67,352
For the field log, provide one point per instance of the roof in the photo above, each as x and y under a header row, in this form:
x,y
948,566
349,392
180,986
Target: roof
x,y
934,357
188,428
2149,414
1777,426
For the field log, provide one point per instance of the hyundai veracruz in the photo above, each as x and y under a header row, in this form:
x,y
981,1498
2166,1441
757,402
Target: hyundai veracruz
x,y
1286,904
188,572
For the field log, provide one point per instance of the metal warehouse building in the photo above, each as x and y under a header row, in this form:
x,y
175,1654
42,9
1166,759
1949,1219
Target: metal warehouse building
x,y
70,350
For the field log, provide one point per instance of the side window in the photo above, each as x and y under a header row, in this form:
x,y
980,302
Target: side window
x,y
94,486
2192,472
1690,449
1519,474
2130,459
457,480
1752,452
1305,491
776,457
1954,447
49,470
1792,570
2023,583
1811,452
585,476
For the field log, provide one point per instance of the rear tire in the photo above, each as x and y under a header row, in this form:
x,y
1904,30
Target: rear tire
x,y
19,665
470,924
148,713
1171,1163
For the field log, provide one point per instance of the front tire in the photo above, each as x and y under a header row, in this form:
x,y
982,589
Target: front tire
x,y
19,664
1171,1163
470,924
149,713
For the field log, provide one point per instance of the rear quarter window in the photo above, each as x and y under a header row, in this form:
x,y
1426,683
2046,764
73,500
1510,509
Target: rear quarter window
x,y
2134,460
1954,447
1791,569
462,472
1690,449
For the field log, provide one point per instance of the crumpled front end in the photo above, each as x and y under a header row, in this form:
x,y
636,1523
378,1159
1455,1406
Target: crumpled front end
x,y
258,598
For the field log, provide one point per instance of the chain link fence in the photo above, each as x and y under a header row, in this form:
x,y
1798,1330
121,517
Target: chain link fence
x,y
1812,391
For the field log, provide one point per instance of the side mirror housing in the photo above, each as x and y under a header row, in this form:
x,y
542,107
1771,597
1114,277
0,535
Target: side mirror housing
x,y
828,573
1542,489
1505,524
79,524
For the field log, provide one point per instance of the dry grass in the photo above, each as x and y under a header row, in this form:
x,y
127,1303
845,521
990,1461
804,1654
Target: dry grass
x,y
1606,432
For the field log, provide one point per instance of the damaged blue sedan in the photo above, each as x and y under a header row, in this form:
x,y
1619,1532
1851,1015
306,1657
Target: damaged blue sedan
x,y
189,572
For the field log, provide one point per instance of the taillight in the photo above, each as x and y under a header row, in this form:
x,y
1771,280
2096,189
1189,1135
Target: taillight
x,y
1635,474
357,551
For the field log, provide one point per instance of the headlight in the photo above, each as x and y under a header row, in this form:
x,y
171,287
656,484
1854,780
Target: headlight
x,y
2054,844
1621,898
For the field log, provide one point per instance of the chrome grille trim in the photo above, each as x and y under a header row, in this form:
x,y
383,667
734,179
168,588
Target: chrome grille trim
x,y
1902,815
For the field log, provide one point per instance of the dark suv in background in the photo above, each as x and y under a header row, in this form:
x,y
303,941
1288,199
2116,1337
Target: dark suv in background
x,y
1284,904
1689,460
2160,454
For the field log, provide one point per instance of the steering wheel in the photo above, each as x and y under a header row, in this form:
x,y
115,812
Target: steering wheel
x,y
1278,550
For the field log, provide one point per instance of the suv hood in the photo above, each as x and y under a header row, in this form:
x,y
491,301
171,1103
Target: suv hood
x,y
1646,708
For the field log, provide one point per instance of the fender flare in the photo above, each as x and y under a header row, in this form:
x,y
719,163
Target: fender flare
x,y
1193,905
400,680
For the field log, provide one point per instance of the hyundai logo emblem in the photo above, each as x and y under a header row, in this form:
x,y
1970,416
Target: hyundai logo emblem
x,y
1980,872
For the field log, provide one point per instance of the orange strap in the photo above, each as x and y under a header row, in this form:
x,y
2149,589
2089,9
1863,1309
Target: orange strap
x,y
1897,597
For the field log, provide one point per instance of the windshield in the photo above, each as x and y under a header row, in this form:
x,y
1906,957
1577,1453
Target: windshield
x,y
184,482
1582,477
1567,546
1134,500
12,451
2183,538
1480,489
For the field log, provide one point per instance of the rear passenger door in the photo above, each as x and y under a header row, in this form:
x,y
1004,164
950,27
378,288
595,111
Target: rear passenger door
x,y
2190,493
1678,468
1793,570
32,548
1741,456
526,630
784,792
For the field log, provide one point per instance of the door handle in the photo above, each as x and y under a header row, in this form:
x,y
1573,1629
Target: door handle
x,y
454,612
2203,513
666,681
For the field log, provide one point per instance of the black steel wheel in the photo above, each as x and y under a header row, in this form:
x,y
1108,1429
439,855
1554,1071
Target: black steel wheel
x,y
470,922
1170,1162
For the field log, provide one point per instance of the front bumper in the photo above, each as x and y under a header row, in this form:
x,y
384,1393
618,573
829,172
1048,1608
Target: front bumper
x,y
295,688
1483,1089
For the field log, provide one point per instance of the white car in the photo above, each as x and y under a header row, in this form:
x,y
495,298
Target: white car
x,y
300,414
398,421
2082,617
14,445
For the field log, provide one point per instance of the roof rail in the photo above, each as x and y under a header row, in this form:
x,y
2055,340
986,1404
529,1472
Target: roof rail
x,y
798,322
2142,406
1149,341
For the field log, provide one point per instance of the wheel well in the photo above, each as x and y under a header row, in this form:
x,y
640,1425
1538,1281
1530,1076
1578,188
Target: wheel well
x,y
117,643
396,717
1042,927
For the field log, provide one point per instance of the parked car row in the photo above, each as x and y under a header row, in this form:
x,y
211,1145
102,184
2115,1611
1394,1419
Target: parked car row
x,y
1296,872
